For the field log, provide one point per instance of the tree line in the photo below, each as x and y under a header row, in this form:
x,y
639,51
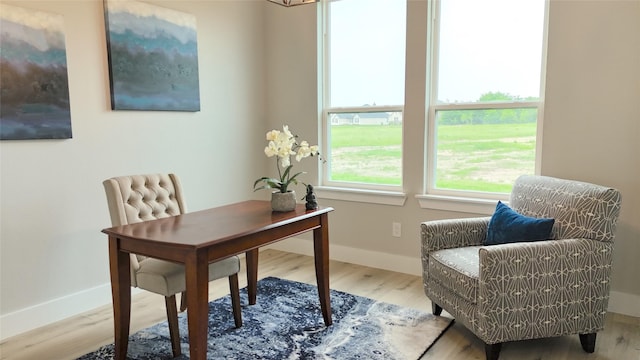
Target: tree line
x,y
490,116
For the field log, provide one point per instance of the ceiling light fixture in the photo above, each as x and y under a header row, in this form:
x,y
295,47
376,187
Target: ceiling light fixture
x,y
288,3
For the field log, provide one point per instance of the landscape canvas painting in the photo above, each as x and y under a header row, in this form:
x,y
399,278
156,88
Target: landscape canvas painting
x,y
33,75
153,57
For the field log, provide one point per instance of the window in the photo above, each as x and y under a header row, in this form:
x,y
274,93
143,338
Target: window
x,y
485,94
364,62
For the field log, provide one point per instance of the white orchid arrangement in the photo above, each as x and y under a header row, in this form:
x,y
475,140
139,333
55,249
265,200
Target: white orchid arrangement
x,y
283,144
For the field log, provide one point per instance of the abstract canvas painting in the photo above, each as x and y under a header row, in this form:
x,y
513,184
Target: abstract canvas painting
x,y
153,57
34,100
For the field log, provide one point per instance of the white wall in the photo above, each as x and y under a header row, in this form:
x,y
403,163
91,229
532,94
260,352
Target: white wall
x,y
53,257
258,71
592,113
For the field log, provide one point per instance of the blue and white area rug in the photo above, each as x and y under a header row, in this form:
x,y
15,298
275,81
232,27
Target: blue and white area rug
x,y
286,323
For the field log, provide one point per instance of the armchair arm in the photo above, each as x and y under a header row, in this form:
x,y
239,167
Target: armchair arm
x,y
453,233
543,289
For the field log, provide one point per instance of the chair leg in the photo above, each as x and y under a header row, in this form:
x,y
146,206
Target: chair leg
x,y
492,351
183,301
588,342
172,318
235,299
436,309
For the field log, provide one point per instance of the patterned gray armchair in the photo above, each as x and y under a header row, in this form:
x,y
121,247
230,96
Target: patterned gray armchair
x,y
527,290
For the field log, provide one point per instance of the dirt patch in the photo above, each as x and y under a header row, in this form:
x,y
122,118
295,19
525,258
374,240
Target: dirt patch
x,y
498,167
357,160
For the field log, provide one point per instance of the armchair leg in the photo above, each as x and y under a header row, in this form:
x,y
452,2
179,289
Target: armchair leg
x,y
172,318
588,342
492,351
235,299
436,309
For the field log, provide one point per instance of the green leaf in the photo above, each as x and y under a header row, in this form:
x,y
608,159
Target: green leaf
x,y
286,173
293,178
269,183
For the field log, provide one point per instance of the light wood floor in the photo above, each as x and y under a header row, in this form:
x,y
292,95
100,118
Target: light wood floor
x,y
76,336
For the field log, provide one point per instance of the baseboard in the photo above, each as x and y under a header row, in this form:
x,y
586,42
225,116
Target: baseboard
x,y
49,312
374,259
36,316
624,303
619,302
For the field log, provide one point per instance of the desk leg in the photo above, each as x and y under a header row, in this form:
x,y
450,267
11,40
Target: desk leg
x,y
197,279
321,256
252,275
119,264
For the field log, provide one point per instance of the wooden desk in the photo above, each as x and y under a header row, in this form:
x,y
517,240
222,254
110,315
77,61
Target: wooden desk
x,y
197,238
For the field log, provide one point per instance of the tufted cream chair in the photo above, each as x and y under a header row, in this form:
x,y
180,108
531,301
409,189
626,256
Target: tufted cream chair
x,y
137,198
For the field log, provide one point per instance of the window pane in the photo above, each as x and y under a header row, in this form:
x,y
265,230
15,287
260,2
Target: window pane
x,y
365,73
488,47
484,150
366,147
366,52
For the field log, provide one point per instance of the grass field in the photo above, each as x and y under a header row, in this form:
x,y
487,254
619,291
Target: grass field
x,y
470,157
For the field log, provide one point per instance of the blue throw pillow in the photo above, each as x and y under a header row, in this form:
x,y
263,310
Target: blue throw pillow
x,y
507,226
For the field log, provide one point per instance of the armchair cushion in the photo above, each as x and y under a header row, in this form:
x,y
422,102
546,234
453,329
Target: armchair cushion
x,y
507,226
457,270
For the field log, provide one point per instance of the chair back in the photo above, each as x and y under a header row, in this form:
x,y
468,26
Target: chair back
x,y
580,209
138,198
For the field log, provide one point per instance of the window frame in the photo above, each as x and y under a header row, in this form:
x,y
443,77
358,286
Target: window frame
x,y
467,200
428,198
342,190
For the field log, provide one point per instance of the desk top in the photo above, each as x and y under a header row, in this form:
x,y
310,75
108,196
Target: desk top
x,y
202,228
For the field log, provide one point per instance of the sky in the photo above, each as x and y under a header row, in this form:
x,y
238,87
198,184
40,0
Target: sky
x,y
364,39
484,49
368,35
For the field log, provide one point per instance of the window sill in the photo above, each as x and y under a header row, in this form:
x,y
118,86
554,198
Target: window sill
x,y
436,202
458,204
361,195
